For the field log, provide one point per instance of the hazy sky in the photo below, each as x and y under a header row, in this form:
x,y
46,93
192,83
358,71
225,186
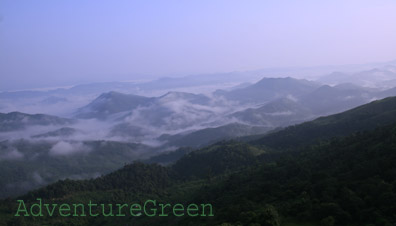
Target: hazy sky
x,y
47,42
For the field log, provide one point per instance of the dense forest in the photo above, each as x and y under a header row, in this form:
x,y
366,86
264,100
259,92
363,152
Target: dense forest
x,y
336,170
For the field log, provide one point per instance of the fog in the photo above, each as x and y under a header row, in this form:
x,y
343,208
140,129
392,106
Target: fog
x,y
87,87
67,148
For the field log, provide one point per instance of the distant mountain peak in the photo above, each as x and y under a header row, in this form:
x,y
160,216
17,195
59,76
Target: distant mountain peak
x,y
175,93
110,103
17,120
270,88
113,94
274,80
191,97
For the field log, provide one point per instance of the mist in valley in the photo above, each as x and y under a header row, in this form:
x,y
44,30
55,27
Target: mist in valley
x,y
81,96
87,130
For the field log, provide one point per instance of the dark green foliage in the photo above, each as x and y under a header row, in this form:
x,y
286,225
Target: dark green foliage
x,y
37,166
365,117
217,159
169,157
339,181
209,136
348,181
134,178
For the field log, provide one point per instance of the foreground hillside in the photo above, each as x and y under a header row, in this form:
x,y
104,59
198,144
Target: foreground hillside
x,y
348,180
365,117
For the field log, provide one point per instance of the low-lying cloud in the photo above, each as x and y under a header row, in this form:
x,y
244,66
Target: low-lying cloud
x,y
10,153
67,148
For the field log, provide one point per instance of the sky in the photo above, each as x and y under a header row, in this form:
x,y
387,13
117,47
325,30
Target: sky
x,y
54,43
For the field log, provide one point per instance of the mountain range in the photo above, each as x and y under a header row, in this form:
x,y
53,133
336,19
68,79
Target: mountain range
x,y
341,174
143,127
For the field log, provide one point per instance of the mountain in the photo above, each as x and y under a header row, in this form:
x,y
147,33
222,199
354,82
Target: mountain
x,y
327,100
27,165
335,78
268,89
53,100
376,77
62,132
365,117
387,93
384,77
18,121
208,136
337,183
168,157
111,103
174,112
277,113
181,96
324,100
181,119
77,90
128,130
216,159
342,182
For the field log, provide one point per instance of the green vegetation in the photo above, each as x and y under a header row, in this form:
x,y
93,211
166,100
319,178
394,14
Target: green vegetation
x,y
38,165
365,117
325,181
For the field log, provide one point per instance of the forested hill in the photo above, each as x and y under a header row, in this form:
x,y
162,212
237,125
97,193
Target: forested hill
x,y
365,117
343,181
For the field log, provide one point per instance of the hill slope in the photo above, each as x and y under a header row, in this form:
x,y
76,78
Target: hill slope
x,y
269,89
365,117
344,181
16,121
349,181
